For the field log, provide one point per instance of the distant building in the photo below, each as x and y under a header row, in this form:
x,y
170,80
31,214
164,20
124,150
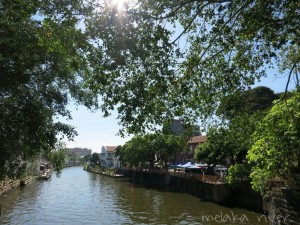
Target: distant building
x,y
195,141
192,144
177,128
78,151
108,158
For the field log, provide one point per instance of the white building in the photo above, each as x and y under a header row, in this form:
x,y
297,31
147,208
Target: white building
x,y
108,158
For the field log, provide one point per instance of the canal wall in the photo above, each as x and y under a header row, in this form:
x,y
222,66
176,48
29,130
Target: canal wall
x,y
211,190
244,196
216,192
8,185
284,206
283,203
11,184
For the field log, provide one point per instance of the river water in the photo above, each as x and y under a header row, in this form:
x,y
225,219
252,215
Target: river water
x,y
78,197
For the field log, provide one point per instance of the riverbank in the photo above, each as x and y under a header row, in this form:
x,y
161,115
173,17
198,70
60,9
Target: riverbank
x,y
28,180
103,172
8,185
209,188
282,205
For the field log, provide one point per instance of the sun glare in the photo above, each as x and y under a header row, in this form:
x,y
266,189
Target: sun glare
x,y
119,4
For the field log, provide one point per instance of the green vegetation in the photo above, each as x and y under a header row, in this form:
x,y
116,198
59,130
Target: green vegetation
x,y
30,168
218,49
260,139
42,66
275,152
95,158
57,158
241,112
134,61
86,158
150,149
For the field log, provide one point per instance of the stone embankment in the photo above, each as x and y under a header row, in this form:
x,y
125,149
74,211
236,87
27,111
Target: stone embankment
x,y
8,185
109,173
283,203
27,180
11,184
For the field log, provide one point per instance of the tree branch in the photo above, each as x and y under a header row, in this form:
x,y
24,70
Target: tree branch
x,y
213,39
172,12
177,7
289,77
190,23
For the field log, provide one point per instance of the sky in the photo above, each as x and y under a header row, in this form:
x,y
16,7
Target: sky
x,y
95,131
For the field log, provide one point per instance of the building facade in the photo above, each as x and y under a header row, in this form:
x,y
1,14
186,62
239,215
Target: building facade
x,y
177,128
79,151
192,145
108,158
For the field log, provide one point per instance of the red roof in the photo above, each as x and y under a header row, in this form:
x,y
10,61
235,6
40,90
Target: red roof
x,y
197,139
111,148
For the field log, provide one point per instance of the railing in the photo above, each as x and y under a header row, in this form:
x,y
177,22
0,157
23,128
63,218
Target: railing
x,y
215,179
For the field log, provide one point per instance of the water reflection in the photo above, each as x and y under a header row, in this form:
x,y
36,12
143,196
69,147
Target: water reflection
x,y
79,197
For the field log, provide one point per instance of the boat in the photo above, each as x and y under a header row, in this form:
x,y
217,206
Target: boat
x,y
45,171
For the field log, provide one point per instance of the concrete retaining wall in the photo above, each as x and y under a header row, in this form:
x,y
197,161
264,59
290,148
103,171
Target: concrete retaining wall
x,y
242,196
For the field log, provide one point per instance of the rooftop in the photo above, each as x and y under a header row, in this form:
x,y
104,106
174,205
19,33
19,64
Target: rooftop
x,y
197,139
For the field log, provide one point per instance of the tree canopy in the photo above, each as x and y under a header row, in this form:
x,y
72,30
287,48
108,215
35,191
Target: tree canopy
x,y
243,111
246,102
150,149
181,58
95,158
152,61
231,142
276,148
42,66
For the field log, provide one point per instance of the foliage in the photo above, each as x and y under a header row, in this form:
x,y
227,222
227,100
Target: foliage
x,y
151,148
239,173
86,158
137,151
95,158
214,150
42,65
276,147
73,157
31,168
232,141
57,159
247,102
166,147
181,58
131,58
